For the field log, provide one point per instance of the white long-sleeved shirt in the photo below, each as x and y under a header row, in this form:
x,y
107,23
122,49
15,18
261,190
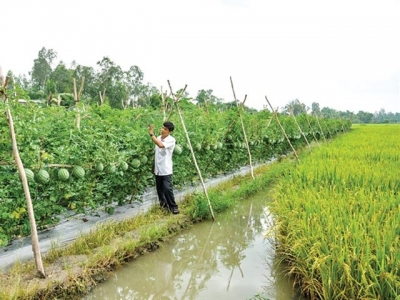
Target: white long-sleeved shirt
x,y
163,156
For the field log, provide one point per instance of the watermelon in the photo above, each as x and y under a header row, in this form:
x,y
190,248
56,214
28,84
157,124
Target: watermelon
x,y
143,159
110,169
123,166
207,147
178,149
214,147
30,176
63,174
78,172
197,147
135,163
42,176
99,167
219,145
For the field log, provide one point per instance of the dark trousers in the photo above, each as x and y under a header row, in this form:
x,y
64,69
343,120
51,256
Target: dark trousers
x,y
165,192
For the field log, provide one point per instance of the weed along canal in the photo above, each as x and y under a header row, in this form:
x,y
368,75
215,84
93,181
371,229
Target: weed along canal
x,y
230,258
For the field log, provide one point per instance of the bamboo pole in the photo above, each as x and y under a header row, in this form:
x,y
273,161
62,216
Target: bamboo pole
x,y
270,121
320,128
34,235
312,130
301,131
77,98
176,99
240,107
163,103
283,130
326,125
341,123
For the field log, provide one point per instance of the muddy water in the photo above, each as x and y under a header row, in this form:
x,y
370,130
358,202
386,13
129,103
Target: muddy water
x,y
229,258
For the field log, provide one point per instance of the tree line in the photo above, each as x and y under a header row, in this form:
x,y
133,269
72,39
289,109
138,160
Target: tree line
x,y
47,82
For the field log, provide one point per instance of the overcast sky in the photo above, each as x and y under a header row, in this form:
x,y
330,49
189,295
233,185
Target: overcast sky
x,y
341,54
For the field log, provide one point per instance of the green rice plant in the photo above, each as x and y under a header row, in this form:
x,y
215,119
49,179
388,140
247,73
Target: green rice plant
x,y
338,214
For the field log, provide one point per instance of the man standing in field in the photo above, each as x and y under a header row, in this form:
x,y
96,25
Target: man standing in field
x,y
165,144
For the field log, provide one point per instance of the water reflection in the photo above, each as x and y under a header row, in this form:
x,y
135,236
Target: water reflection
x,y
225,259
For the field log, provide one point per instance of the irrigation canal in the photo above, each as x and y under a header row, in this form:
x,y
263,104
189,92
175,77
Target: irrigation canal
x,y
230,258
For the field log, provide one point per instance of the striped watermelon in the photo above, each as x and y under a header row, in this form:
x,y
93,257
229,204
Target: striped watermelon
x,y
143,159
178,149
123,166
99,167
42,176
30,176
78,172
135,163
63,174
110,169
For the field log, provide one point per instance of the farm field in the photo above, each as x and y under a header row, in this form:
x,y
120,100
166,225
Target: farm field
x,y
96,157
338,216
113,154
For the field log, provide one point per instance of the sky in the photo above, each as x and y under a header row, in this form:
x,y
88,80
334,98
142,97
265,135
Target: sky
x,y
341,54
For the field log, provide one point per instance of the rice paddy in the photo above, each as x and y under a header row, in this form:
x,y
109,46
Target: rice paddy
x,y
338,216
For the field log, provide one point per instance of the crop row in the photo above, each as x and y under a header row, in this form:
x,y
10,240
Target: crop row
x,y
108,158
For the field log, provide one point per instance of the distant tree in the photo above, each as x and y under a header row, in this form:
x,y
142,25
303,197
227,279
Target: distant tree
x,y
380,116
110,79
294,106
364,117
315,110
148,95
329,112
133,80
62,80
205,97
41,70
14,86
91,88
155,101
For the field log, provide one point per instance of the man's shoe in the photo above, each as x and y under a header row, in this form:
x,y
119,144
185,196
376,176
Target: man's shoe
x,y
175,211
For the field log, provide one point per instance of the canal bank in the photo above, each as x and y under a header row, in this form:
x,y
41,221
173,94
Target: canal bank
x,y
74,269
230,258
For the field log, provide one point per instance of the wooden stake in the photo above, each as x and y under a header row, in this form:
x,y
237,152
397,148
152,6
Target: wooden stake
x,y
21,170
77,98
320,128
163,103
312,130
326,125
301,131
283,130
240,107
190,147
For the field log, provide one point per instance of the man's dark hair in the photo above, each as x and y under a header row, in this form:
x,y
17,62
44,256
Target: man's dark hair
x,y
169,125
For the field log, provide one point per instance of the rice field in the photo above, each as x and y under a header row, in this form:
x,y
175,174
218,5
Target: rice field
x,y
338,216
